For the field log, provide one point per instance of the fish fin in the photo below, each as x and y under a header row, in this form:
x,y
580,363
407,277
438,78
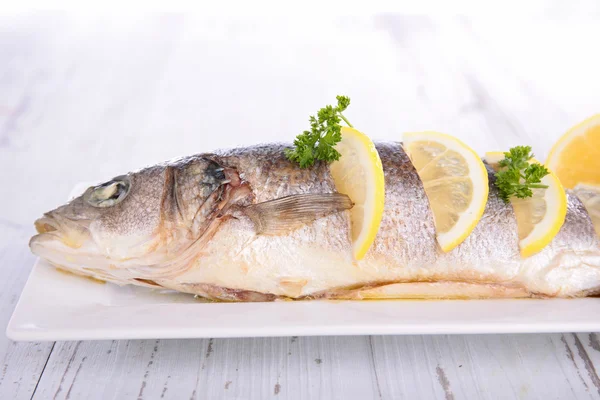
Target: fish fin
x,y
280,216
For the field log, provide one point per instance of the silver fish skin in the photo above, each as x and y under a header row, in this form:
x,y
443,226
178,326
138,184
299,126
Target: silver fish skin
x,y
248,225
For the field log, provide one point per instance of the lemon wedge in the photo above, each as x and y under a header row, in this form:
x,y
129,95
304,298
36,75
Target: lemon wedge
x,y
590,197
540,217
455,181
359,174
576,156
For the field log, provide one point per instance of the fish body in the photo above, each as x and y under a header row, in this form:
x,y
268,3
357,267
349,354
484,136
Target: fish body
x,y
248,225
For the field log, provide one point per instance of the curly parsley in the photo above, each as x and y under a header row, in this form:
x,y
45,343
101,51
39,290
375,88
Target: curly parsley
x,y
517,176
325,132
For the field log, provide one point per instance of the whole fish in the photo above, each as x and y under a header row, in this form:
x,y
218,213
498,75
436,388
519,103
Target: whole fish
x,y
248,225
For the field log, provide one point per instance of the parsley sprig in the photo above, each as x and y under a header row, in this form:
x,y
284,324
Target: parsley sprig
x,y
325,132
517,176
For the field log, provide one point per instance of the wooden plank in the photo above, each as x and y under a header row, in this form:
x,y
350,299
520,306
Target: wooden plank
x,y
587,347
282,368
483,367
420,367
22,363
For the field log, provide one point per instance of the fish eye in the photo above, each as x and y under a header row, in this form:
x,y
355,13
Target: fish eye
x,y
109,193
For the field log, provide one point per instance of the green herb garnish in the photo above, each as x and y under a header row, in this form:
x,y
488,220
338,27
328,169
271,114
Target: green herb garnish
x,y
517,175
325,132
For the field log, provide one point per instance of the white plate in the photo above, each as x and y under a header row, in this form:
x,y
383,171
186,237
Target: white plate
x,y
59,306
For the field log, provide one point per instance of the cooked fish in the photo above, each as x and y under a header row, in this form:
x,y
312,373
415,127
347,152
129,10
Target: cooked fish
x,y
248,225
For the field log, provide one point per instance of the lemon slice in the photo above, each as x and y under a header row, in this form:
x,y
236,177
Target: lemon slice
x,y
540,217
576,156
359,174
455,181
590,197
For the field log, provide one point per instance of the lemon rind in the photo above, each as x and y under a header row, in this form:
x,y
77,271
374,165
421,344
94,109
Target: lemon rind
x,y
450,240
531,245
580,129
373,208
558,214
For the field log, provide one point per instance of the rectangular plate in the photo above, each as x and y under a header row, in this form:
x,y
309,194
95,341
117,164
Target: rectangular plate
x,y
56,305
59,306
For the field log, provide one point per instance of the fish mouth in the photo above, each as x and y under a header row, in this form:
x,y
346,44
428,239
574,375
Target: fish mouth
x,y
68,244
60,230
46,225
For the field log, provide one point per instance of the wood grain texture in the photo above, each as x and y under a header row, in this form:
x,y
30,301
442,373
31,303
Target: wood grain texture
x,y
88,98
22,363
468,367
289,368
388,367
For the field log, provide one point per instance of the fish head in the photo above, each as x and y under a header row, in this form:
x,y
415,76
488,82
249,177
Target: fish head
x,y
136,224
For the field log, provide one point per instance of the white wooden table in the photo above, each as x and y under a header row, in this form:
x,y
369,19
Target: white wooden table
x,y
85,99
